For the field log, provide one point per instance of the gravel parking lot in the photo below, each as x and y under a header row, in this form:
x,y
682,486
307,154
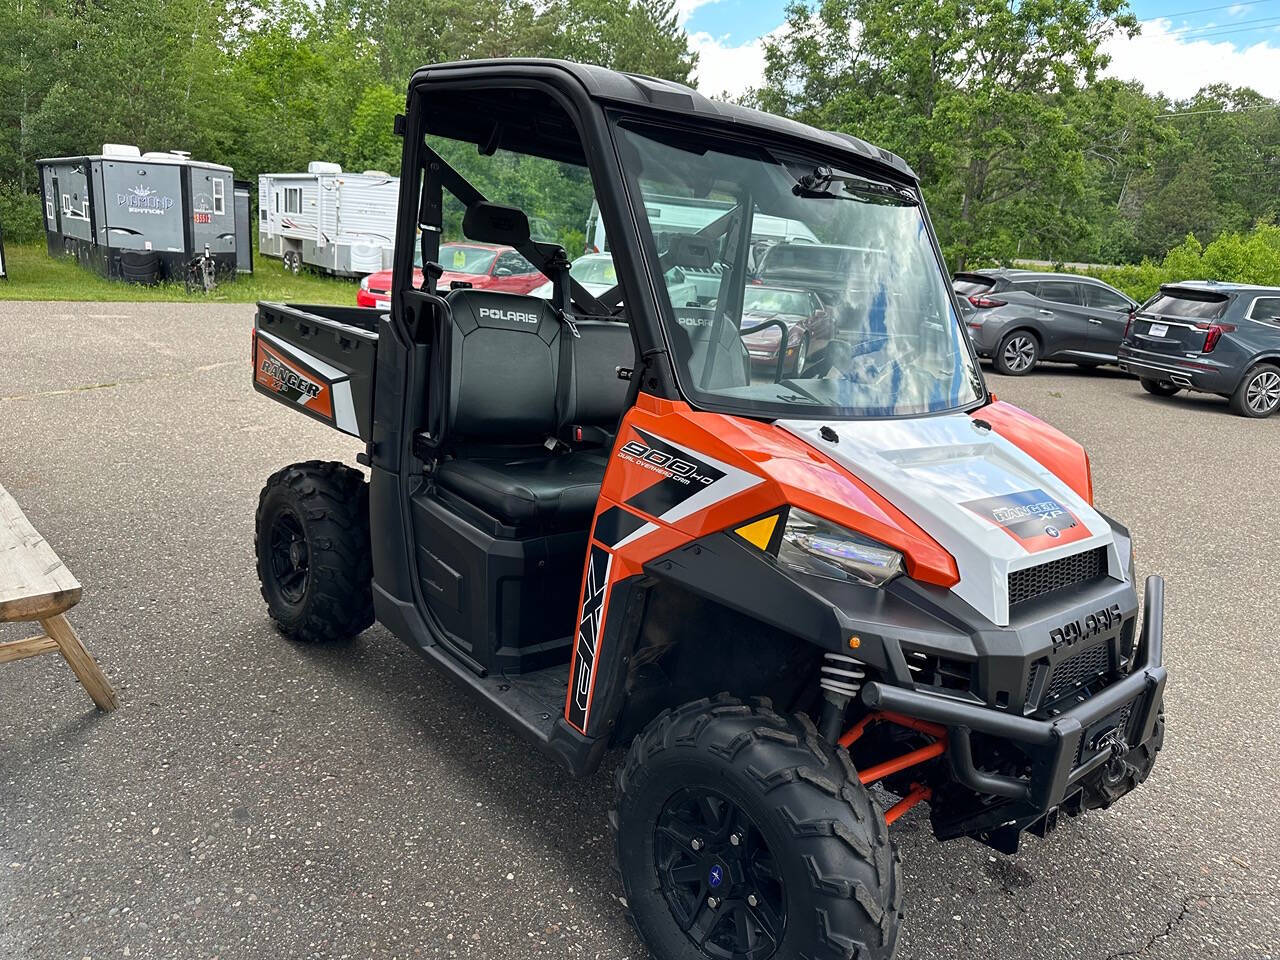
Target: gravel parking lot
x,y
256,799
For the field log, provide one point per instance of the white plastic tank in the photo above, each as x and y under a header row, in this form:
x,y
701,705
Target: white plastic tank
x,y
366,257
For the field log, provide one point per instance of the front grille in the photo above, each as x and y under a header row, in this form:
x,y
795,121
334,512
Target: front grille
x,y
1077,670
1075,570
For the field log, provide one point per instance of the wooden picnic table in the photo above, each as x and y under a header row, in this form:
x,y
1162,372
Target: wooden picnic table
x,y
36,585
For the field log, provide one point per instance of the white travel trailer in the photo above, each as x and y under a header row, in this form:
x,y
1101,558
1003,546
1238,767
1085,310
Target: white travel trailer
x,y
341,223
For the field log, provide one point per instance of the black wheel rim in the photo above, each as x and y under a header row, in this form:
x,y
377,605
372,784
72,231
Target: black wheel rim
x,y
290,556
720,880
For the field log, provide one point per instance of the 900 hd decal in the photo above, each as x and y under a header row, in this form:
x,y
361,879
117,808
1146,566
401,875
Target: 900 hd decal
x,y
1032,517
295,376
685,482
595,595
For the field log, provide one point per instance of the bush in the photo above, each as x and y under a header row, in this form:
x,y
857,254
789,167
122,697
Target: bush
x,y
21,219
1231,257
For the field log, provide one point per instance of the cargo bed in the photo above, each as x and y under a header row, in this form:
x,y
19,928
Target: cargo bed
x,y
318,359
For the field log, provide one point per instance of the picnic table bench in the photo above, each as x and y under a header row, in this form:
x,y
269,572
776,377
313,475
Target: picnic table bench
x,y
36,585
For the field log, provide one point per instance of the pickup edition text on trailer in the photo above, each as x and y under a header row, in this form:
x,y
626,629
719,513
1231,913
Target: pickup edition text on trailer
x,y
341,223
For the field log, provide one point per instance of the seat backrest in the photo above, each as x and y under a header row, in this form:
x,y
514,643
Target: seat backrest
x,y
591,394
504,365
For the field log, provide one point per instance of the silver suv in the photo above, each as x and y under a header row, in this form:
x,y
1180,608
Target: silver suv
x,y
1020,317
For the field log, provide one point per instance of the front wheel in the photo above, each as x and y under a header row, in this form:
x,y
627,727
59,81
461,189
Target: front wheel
x,y
1159,388
1258,395
742,836
312,543
801,358
1017,354
292,261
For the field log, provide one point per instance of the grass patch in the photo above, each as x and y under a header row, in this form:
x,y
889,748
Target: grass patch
x,y
34,275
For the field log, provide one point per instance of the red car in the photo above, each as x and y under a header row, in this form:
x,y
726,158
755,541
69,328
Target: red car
x,y
810,327
483,265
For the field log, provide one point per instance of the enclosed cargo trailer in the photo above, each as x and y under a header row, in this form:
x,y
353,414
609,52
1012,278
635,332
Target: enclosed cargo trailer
x,y
340,223
138,217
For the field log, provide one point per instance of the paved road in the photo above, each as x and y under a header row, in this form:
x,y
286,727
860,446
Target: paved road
x,y
255,799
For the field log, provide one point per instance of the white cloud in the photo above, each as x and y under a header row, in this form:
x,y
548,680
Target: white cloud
x,y
1237,9
725,69
685,8
1163,62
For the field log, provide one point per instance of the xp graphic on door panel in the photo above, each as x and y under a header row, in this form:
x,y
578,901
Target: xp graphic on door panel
x,y
775,583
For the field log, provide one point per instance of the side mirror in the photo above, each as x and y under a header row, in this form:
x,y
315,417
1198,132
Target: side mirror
x,y
503,272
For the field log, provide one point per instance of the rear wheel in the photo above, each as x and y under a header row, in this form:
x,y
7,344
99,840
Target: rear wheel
x,y
292,261
312,543
1159,388
1259,392
1017,354
742,836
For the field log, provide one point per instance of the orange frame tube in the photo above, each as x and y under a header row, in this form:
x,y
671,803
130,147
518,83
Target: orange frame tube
x,y
904,762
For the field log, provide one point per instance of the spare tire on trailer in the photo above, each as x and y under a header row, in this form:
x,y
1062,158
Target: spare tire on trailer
x,y
140,266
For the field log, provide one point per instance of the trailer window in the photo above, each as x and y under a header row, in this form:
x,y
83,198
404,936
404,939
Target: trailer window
x,y
219,198
292,199
66,204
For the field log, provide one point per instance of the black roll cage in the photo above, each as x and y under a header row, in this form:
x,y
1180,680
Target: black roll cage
x,y
592,112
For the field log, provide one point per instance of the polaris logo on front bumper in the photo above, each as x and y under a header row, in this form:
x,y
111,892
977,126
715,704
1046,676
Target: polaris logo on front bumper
x,y
511,316
1087,627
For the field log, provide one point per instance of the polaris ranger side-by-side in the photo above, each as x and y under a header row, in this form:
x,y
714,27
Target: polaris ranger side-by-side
x,y
778,588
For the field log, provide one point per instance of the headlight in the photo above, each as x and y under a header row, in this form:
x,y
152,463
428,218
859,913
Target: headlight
x,y
364,284
822,549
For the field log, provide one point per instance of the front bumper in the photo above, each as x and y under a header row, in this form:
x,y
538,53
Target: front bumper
x,y
1056,746
365,298
1204,374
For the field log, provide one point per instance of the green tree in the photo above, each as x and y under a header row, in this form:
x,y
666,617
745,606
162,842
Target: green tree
x,y
973,93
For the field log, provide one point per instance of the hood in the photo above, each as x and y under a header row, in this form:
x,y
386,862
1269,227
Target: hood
x,y
984,500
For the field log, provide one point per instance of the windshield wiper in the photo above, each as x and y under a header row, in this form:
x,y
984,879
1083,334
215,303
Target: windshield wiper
x,y
817,185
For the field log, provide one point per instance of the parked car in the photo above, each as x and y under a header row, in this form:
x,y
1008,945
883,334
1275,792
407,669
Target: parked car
x,y
597,274
834,272
809,327
1221,338
484,266
1020,317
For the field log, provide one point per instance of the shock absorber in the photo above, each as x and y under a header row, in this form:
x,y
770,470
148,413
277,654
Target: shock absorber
x,y
841,678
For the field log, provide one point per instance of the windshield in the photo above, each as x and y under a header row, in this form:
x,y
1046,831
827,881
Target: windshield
x,y
473,261
766,300
887,343
1186,304
594,270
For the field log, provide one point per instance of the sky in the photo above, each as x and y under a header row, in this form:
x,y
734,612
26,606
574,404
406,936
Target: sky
x,y
1183,45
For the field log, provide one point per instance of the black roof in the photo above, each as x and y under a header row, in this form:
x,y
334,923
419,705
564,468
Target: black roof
x,y
649,93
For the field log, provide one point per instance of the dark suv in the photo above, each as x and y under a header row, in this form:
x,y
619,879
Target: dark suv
x,y
1020,317
1221,338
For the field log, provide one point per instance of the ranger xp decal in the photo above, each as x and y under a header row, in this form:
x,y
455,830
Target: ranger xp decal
x,y
686,481
1032,517
318,387
595,595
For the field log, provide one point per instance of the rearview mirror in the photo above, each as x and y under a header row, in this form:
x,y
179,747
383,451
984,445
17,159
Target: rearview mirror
x,y
692,252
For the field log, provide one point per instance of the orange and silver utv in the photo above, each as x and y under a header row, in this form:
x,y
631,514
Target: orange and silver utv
x,y
803,600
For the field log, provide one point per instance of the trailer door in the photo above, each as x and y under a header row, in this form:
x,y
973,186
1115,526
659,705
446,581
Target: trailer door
x,y
244,228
